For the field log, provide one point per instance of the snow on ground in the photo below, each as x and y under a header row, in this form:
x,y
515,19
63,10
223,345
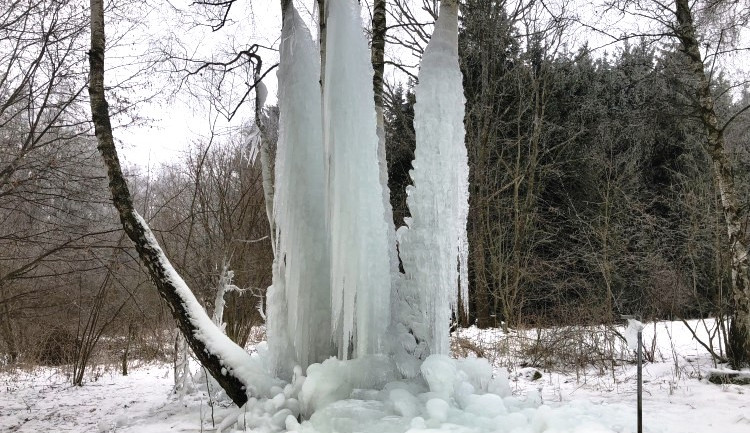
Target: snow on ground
x,y
575,399
676,397
43,400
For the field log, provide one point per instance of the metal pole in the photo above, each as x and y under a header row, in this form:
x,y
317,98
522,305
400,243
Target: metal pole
x,y
640,384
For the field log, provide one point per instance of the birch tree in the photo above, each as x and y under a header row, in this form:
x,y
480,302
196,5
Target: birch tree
x,y
715,146
706,32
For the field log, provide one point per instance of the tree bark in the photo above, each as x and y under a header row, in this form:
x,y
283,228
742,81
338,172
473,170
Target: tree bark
x,y
150,254
377,58
739,332
128,341
6,330
322,18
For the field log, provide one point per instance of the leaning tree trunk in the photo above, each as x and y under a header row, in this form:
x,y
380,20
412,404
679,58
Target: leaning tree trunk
x,y
738,349
212,351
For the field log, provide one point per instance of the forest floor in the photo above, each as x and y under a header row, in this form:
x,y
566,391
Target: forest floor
x,y
677,397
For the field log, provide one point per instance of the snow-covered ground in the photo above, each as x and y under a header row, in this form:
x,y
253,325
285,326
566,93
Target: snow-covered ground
x,y
566,399
44,401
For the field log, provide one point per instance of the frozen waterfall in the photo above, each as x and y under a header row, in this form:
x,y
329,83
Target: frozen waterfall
x,y
332,277
299,310
433,246
360,271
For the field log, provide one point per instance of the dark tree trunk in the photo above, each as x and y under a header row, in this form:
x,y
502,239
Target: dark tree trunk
x,y
126,352
322,15
378,51
150,254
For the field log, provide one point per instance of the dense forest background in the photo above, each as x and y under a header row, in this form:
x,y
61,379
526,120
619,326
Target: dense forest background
x,y
591,195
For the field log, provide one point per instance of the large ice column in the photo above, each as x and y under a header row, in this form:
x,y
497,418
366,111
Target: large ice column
x,y
433,246
359,247
299,322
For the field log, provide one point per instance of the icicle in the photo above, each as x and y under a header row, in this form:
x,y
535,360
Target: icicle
x,y
299,322
183,381
359,238
225,286
434,247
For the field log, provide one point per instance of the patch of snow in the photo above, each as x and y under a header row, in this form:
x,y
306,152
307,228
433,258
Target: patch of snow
x,y
676,397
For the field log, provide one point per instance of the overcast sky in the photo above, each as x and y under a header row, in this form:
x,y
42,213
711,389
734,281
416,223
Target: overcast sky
x,y
175,119
175,115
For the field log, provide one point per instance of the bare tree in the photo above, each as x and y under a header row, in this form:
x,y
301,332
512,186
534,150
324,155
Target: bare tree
x,y
189,316
212,216
739,331
52,216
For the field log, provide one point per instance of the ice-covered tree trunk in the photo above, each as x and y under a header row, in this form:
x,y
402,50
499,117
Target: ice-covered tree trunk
x,y
398,296
264,151
299,311
739,331
183,381
360,272
225,286
433,245
229,364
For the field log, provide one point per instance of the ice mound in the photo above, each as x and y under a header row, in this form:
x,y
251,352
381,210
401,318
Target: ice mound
x,y
451,395
335,380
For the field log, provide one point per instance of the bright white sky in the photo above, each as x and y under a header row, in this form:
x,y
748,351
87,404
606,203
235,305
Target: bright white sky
x,y
174,118
177,121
